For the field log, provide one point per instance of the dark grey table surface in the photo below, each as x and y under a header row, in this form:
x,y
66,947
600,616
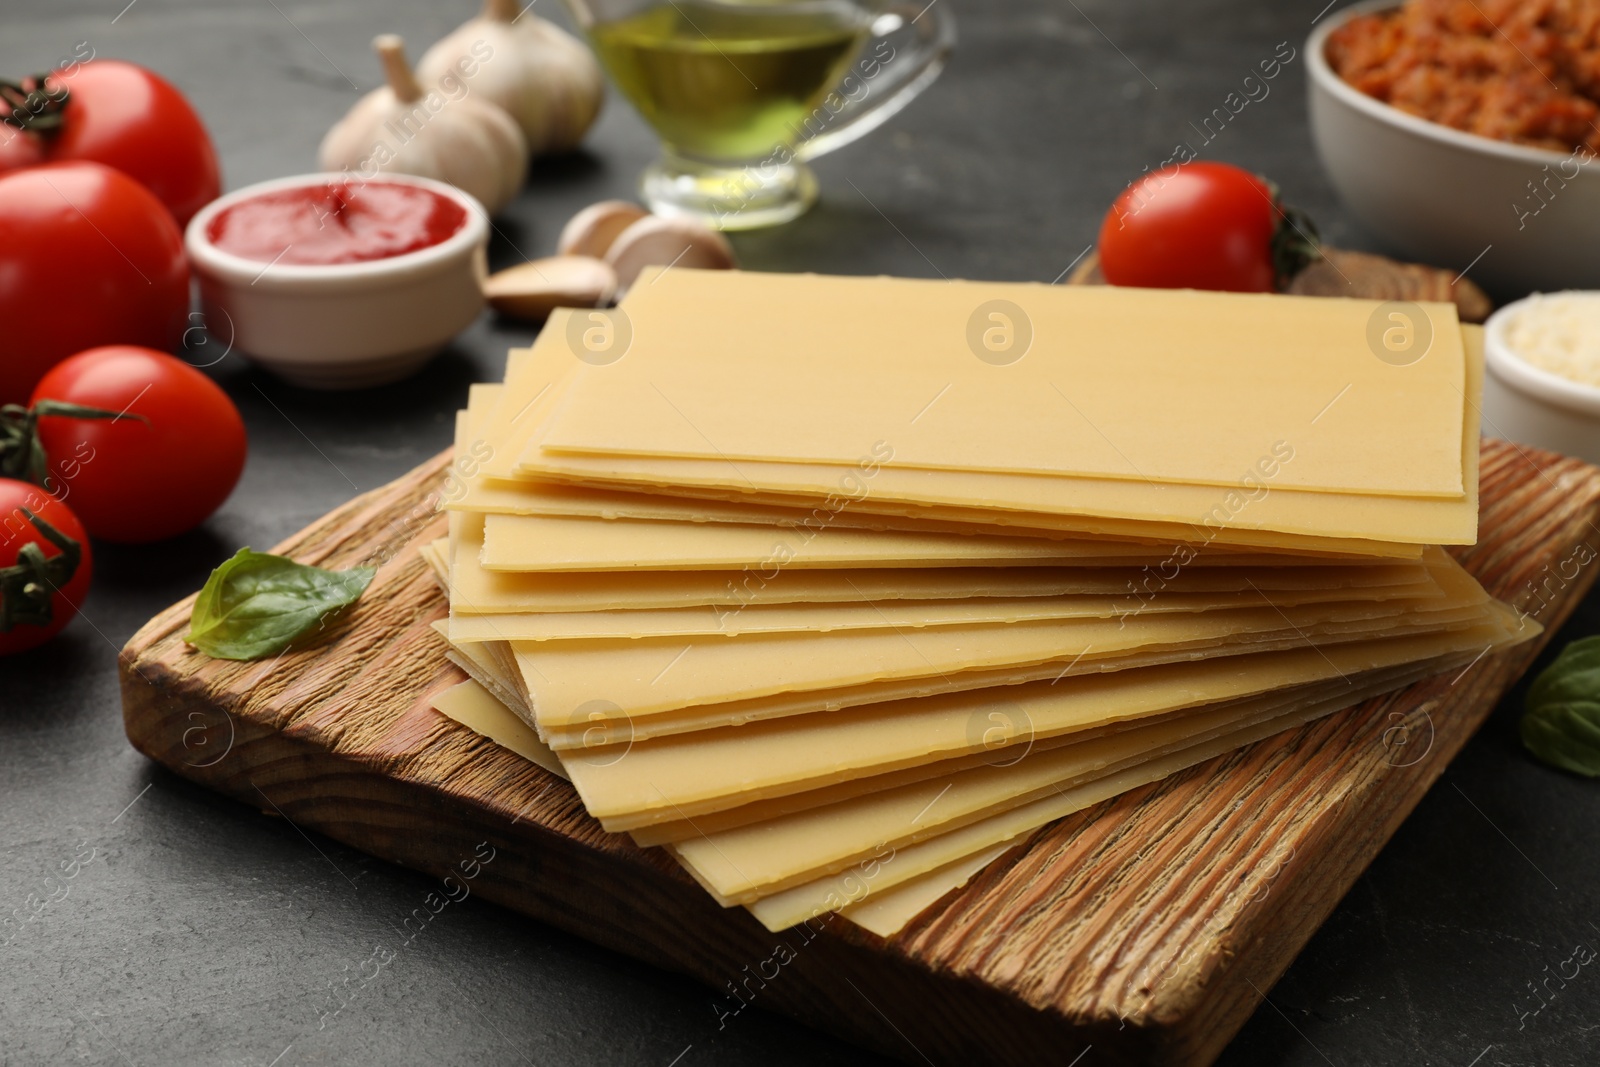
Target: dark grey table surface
x,y
201,932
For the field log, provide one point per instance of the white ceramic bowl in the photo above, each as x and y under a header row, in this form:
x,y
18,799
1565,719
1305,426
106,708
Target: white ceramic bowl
x,y
1531,406
347,325
1444,197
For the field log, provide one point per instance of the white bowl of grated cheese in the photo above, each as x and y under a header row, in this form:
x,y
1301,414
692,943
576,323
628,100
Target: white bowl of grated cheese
x,y
1543,385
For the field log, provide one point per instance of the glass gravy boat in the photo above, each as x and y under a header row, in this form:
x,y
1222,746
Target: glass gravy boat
x,y
743,92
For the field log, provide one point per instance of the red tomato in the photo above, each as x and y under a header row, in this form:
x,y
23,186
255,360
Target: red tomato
x,y
17,151
1195,226
135,481
130,119
87,257
29,618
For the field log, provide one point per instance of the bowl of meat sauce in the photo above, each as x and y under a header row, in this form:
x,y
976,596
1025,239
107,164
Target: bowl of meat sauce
x,y
333,281
1464,133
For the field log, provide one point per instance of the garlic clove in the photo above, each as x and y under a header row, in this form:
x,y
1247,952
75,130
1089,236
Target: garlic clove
x,y
532,290
676,242
592,231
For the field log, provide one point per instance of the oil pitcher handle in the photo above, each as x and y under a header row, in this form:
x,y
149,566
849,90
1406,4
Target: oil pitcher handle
x,y
907,48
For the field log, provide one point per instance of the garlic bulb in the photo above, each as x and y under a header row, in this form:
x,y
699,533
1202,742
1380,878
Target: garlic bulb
x,y
544,77
451,136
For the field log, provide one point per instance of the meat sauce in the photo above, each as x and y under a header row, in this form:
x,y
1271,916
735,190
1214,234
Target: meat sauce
x,y
1526,71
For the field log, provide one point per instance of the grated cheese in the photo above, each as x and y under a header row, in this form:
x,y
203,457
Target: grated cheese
x,y
1559,333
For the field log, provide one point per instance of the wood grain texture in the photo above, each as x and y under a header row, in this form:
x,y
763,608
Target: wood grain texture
x,y
1360,274
1149,926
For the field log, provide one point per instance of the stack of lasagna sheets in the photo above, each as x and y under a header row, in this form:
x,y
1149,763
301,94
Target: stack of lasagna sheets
x,y
838,588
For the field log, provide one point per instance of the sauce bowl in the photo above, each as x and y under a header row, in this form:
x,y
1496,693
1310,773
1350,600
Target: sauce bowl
x,y
345,325
1518,218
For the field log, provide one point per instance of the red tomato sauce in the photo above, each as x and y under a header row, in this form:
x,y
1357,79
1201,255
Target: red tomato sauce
x,y
342,222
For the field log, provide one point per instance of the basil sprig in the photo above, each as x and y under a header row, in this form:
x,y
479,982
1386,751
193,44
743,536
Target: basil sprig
x,y
256,604
1561,715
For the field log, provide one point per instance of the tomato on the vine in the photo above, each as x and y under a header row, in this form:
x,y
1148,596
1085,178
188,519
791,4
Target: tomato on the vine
x,y
44,566
121,115
155,474
87,257
1202,226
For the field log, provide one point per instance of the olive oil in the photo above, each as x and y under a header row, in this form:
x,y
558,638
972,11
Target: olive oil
x,y
729,81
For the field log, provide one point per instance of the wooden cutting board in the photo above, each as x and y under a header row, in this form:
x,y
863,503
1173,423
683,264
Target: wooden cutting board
x,y
1149,926
1359,274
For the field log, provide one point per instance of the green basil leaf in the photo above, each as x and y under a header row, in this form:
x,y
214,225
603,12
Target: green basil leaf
x,y
256,604
1561,716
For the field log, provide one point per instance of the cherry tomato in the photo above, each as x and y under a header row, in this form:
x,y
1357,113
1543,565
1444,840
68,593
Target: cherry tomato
x,y
1196,226
131,480
17,150
36,600
87,257
132,120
